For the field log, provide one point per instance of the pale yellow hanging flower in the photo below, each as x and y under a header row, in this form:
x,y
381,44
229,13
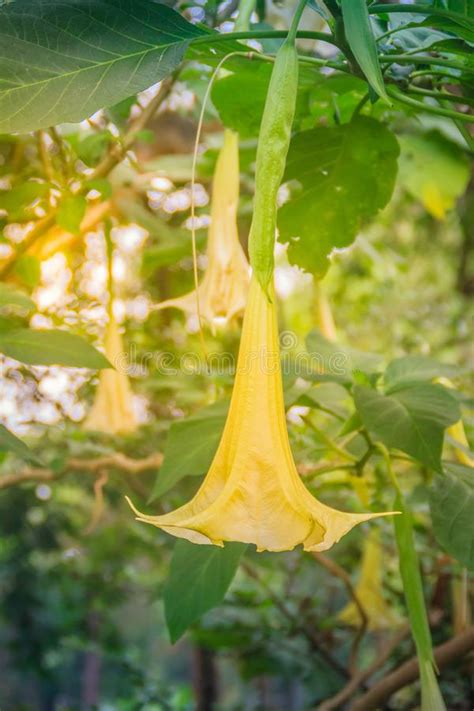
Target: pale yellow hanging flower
x,y
435,202
112,410
369,590
458,433
224,288
461,600
325,318
253,492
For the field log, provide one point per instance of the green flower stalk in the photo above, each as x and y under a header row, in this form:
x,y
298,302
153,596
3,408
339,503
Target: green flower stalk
x,y
431,698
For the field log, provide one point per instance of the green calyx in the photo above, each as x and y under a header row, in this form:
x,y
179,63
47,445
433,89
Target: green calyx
x,y
273,144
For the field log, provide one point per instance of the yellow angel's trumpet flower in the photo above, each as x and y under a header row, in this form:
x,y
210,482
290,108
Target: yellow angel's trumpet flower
x,y
435,202
369,590
252,492
458,433
112,410
325,318
224,288
461,600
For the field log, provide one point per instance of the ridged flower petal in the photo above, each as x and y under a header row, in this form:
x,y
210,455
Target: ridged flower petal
x,y
223,290
369,590
253,492
112,409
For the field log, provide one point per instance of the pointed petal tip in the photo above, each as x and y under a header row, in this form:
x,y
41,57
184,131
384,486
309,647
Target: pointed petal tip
x,y
139,515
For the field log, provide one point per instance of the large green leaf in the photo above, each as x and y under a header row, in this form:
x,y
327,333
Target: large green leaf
x,y
50,347
463,8
433,170
240,97
199,579
452,510
449,25
412,419
335,97
201,434
362,42
460,11
343,176
411,369
10,443
16,200
415,36
71,212
9,296
63,60
28,269
336,360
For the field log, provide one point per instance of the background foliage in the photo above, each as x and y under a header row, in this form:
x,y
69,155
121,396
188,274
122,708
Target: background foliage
x,y
99,104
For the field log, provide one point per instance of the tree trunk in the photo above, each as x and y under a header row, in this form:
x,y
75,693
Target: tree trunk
x,y
92,668
204,679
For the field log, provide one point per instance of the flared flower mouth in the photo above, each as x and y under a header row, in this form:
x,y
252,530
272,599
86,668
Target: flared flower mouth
x,y
223,291
253,492
112,410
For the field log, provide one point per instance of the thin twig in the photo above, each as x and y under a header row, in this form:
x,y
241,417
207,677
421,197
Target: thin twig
x,y
37,230
98,508
112,159
297,624
112,461
311,470
336,570
62,153
358,679
118,150
44,155
329,442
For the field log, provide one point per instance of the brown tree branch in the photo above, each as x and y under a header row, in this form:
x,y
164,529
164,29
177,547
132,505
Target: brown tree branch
x,y
110,161
56,238
358,679
408,672
98,508
117,152
37,230
111,461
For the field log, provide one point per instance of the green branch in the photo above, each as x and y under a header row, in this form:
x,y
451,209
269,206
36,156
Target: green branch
x,y
413,59
262,34
428,108
441,95
296,21
330,443
431,699
242,23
